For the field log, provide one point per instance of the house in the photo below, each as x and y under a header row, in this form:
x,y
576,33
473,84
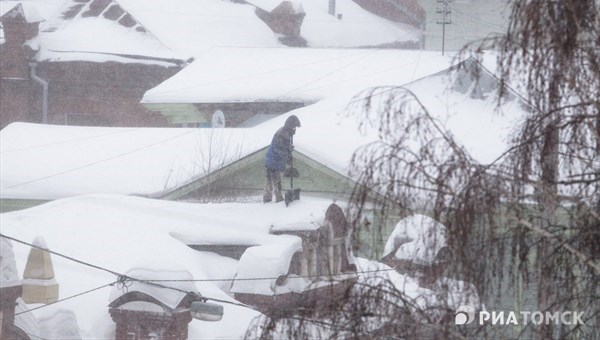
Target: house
x,y
65,67
226,79
88,64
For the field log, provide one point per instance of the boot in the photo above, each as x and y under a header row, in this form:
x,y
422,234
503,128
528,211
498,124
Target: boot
x,y
267,197
278,197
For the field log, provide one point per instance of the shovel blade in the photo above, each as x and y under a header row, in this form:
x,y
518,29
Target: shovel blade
x,y
291,195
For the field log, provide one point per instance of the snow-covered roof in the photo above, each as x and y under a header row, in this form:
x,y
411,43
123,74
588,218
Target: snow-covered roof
x,y
179,29
193,27
26,321
182,282
356,28
417,238
9,275
139,161
291,74
99,31
154,161
120,233
266,261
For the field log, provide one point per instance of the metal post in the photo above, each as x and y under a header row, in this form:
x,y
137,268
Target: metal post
x,y
444,11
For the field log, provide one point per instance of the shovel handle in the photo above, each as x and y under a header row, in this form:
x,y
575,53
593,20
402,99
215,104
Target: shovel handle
x,y
292,164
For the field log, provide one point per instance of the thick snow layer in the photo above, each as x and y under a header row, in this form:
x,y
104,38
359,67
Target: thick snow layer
x,y
122,233
356,27
144,161
110,38
60,325
8,267
27,322
378,273
417,238
193,27
267,261
291,74
182,282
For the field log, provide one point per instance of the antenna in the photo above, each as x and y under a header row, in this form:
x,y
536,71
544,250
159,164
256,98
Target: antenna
x,y
443,11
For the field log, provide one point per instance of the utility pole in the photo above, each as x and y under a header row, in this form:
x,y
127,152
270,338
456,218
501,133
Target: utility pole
x,y
443,11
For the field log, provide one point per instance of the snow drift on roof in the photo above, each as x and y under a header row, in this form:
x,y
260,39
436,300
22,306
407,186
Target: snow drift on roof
x,y
100,27
142,161
291,74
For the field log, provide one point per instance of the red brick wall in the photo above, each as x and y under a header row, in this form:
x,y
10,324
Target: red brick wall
x,y
82,93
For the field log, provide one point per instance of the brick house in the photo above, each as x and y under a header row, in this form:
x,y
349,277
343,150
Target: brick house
x,y
89,64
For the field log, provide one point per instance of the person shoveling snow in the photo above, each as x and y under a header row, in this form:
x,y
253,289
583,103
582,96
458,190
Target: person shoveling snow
x,y
278,156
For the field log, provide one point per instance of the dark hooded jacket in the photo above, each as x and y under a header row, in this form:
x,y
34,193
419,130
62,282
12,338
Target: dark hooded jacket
x,y
280,151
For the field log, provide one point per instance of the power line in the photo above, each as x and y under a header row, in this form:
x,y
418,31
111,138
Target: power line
x,y
68,298
96,162
123,279
339,69
68,141
261,73
182,280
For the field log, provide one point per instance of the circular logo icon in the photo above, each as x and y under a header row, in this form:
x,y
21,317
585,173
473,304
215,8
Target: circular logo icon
x,y
464,315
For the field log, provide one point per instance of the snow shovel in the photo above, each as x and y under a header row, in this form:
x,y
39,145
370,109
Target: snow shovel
x,y
292,194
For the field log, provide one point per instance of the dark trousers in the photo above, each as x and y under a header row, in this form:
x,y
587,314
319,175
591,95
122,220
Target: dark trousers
x,y
273,185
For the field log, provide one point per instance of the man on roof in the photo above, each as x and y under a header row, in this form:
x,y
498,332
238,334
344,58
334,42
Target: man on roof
x,y
279,155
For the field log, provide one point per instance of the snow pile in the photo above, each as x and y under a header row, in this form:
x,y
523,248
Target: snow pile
x,y
416,238
267,261
60,325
